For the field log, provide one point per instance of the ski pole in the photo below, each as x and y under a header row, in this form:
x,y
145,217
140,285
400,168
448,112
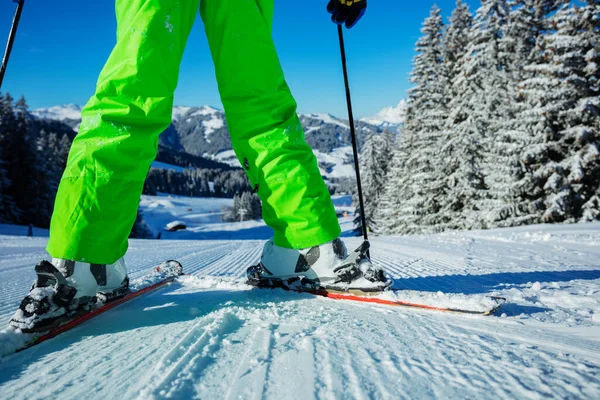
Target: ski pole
x,y
353,135
11,38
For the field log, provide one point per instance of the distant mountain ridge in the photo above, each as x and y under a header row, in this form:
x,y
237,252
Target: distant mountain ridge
x,y
391,118
69,114
202,131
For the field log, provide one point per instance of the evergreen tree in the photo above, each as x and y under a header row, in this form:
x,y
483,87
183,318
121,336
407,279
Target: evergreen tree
x,y
40,205
456,40
472,146
8,209
374,159
15,146
387,214
576,62
255,206
460,153
246,207
519,49
63,152
236,208
419,199
563,166
32,163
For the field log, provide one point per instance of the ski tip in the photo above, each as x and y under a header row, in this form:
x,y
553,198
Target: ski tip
x,y
499,302
171,267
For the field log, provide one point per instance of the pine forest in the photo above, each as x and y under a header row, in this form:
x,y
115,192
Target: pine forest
x,y
502,126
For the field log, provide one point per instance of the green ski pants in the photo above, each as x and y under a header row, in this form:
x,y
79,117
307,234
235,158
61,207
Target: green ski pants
x,y
99,193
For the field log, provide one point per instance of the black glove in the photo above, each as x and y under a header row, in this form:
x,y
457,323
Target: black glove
x,y
346,11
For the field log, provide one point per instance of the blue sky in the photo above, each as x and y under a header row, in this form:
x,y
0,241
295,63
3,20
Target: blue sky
x,y
62,45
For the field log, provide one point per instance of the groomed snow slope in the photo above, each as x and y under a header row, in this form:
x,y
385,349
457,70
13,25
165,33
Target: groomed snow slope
x,y
210,336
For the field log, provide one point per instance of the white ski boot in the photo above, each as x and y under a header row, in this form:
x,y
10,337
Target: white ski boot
x,y
328,266
63,288
113,281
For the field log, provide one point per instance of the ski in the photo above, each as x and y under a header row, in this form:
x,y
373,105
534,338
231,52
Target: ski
x,y
161,276
377,290
434,301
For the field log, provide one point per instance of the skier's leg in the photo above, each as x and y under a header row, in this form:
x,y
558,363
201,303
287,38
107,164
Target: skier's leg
x,y
100,189
265,130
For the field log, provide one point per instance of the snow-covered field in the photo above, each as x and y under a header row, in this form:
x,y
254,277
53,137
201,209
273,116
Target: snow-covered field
x,y
199,214
211,336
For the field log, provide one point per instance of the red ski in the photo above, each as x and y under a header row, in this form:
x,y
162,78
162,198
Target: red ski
x,y
436,301
490,304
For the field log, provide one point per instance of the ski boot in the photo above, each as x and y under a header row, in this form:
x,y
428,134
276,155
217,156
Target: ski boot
x,y
64,289
113,282
328,266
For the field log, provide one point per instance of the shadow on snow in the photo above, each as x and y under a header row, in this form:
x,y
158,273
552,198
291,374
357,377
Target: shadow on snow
x,y
475,284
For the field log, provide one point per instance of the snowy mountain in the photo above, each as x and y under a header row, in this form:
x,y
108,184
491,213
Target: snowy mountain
x,y
61,113
70,114
391,118
202,131
209,335
333,164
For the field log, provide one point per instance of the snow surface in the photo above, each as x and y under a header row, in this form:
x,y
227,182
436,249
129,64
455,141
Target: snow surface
x,y
198,214
211,125
227,157
327,118
205,110
179,111
211,336
339,158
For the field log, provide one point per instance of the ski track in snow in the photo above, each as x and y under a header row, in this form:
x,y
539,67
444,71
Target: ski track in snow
x,y
209,335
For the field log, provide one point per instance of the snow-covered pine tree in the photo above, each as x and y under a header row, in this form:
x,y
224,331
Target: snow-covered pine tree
x,y
8,146
246,207
233,216
456,40
418,202
591,103
493,108
518,46
386,155
63,150
479,88
575,49
19,153
41,204
386,215
8,210
455,149
563,163
254,206
374,159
